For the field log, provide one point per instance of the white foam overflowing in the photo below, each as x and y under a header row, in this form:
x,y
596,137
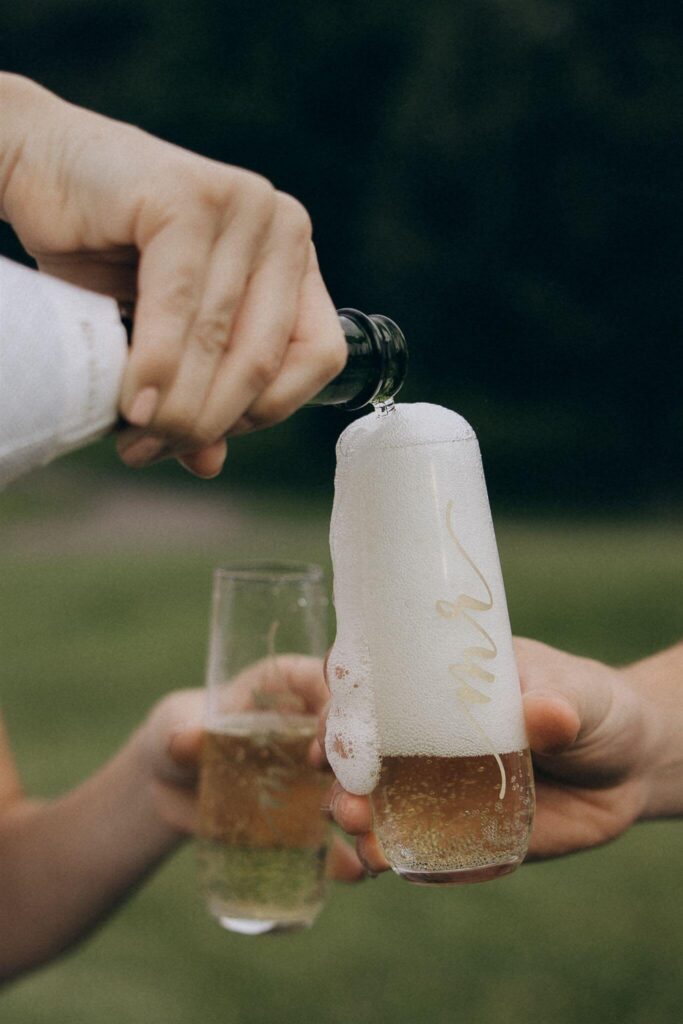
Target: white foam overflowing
x,y
423,662
351,736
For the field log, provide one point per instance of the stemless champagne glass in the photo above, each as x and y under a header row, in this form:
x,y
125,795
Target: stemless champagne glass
x,y
427,711
262,832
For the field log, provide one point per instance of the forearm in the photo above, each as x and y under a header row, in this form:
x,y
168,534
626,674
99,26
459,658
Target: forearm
x,y
65,864
659,682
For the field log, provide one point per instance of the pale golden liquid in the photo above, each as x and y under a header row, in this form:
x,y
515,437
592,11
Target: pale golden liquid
x,y
444,816
262,832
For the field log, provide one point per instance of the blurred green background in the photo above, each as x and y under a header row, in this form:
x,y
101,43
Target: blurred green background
x,y
93,636
502,177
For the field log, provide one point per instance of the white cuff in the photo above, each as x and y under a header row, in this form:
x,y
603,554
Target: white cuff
x,y
62,356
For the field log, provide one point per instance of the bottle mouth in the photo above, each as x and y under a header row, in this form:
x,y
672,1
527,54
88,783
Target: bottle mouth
x,y
394,360
389,346
384,408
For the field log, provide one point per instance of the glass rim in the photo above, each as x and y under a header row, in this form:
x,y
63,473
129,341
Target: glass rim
x,y
270,572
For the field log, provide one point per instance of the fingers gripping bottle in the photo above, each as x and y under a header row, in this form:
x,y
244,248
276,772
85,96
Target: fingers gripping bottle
x,y
63,355
426,712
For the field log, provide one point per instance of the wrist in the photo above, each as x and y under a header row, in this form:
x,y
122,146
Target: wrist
x,y
662,759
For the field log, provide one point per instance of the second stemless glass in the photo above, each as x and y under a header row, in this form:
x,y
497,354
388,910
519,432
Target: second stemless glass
x,y
262,833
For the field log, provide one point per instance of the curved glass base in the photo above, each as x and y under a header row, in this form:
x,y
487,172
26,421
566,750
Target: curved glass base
x,y
260,926
230,918
463,876
244,926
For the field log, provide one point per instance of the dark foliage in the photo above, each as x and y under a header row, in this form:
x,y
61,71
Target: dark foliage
x,y
502,177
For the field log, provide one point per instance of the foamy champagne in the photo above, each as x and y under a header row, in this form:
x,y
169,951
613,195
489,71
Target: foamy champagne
x,y
262,836
426,711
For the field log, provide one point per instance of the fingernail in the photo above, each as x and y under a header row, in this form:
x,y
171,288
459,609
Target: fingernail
x,y
207,463
143,451
202,476
143,407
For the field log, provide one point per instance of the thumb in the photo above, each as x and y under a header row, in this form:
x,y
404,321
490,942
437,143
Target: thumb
x,y
582,720
173,736
552,722
184,748
566,698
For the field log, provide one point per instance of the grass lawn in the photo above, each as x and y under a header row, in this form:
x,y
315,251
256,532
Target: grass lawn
x,y
91,640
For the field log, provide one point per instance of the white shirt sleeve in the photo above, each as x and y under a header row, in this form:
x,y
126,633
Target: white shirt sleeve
x,y
62,356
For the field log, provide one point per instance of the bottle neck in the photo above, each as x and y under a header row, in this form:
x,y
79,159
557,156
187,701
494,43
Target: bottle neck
x,y
377,363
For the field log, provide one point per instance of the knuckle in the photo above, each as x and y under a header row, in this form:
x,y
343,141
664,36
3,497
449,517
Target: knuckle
x,y
176,422
262,190
296,218
180,293
215,187
190,186
279,330
260,185
263,370
212,331
255,193
267,414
